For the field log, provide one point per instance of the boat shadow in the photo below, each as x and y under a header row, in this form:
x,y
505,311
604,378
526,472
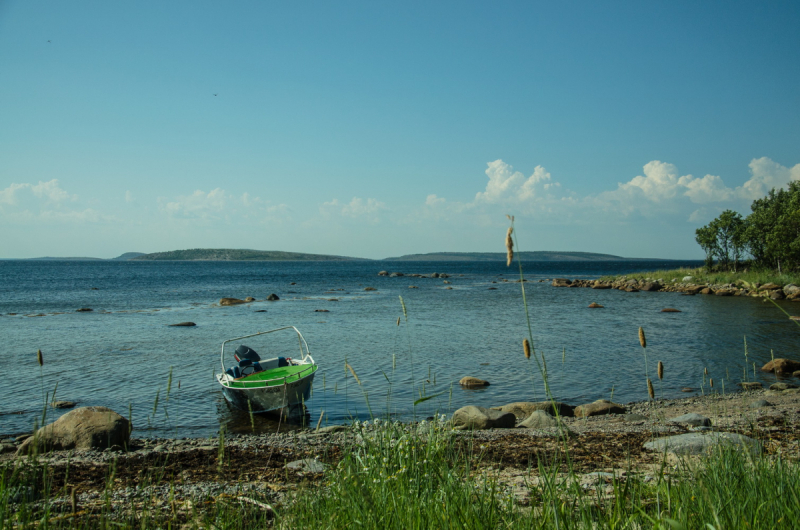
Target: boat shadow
x,y
236,421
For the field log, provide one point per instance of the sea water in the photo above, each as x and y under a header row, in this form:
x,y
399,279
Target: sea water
x,y
121,354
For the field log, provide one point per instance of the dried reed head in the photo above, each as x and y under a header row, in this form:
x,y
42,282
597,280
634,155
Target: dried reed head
x,y
39,357
711,382
398,321
650,390
509,246
660,370
642,339
526,347
353,372
705,372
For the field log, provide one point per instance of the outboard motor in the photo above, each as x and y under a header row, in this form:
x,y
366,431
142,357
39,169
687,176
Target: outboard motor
x,y
245,352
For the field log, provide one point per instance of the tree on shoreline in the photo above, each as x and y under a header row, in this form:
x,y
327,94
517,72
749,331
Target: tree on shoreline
x,y
770,234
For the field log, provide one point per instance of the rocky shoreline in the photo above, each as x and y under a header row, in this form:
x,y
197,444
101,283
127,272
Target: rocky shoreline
x,y
269,468
688,286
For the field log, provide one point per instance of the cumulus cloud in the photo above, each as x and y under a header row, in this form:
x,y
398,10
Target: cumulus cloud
x,y
506,185
49,192
766,175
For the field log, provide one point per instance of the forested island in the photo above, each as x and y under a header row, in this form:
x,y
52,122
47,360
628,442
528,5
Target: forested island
x,y
228,254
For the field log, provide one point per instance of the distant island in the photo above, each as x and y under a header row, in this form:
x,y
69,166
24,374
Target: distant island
x,y
231,254
227,254
501,256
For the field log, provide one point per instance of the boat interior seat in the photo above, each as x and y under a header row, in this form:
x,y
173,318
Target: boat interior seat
x,y
278,362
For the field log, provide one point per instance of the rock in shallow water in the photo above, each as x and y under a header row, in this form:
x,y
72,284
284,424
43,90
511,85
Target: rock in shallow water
x,y
472,382
81,429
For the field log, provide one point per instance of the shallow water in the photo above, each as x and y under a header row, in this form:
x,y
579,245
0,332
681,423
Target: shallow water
x,y
120,354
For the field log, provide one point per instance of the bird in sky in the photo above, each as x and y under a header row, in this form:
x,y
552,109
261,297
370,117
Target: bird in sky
x,y
215,94
50,41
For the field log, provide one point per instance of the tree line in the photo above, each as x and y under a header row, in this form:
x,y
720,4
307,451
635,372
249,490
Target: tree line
x,y
768,238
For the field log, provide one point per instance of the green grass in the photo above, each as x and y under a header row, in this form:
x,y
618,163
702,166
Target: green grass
x,y
701,276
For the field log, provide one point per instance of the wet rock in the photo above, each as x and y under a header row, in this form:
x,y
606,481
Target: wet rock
x,y
523,409
321,311
781,366
796,373
370,289
769,287
469,381
63,404
724,292
249,299
687,389
598,408
84,310
273,298
472,418
670,310
631,289
707,290
230,301
692,419
753,385
83,428
383,273
651,286
600,285
561,282
777,295
699,443
595,306
6,448
396,275
183,324
413,287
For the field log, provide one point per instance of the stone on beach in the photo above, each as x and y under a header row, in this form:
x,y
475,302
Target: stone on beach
x,y
539,419
769,287
478,418
693,419
183,324
523,409
469,381
781,386
82,429
752,385
695,443
594,305
781,366
598,408
651,286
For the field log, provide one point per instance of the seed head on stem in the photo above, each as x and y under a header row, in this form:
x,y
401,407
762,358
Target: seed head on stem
x,y
39,357
509,246
642,339
526,347
660,370
650,390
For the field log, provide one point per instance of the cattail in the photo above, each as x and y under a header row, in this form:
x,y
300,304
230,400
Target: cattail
x,y
73,501
705,372
398,321
660,370
39,357
642,339
711,382
526,347
650,389
509,246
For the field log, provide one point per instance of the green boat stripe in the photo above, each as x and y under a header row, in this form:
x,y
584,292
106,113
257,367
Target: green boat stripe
x,y
275,376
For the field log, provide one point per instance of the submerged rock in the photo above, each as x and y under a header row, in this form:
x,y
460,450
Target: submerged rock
x,y
230,301
183,324
273,297
781,366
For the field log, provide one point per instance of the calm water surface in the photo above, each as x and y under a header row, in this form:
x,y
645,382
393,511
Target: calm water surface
x,y
120,355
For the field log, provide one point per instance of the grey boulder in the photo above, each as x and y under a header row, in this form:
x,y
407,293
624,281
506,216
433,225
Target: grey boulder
x,y
695,443
597,408
523,409
693,419
539,420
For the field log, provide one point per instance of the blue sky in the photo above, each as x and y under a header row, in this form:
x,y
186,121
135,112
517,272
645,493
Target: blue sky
x,y
374,129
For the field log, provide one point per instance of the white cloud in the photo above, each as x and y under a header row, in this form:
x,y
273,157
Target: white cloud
x,y
44,203
50,191
707,189
433,201
660,182
506,185
218,205
129,196
766,175
357,207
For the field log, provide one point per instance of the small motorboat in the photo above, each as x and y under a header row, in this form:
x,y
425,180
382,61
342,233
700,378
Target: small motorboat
x,y
254,384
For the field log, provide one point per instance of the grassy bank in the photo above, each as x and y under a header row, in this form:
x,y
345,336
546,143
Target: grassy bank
x,y
702,276
425,476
